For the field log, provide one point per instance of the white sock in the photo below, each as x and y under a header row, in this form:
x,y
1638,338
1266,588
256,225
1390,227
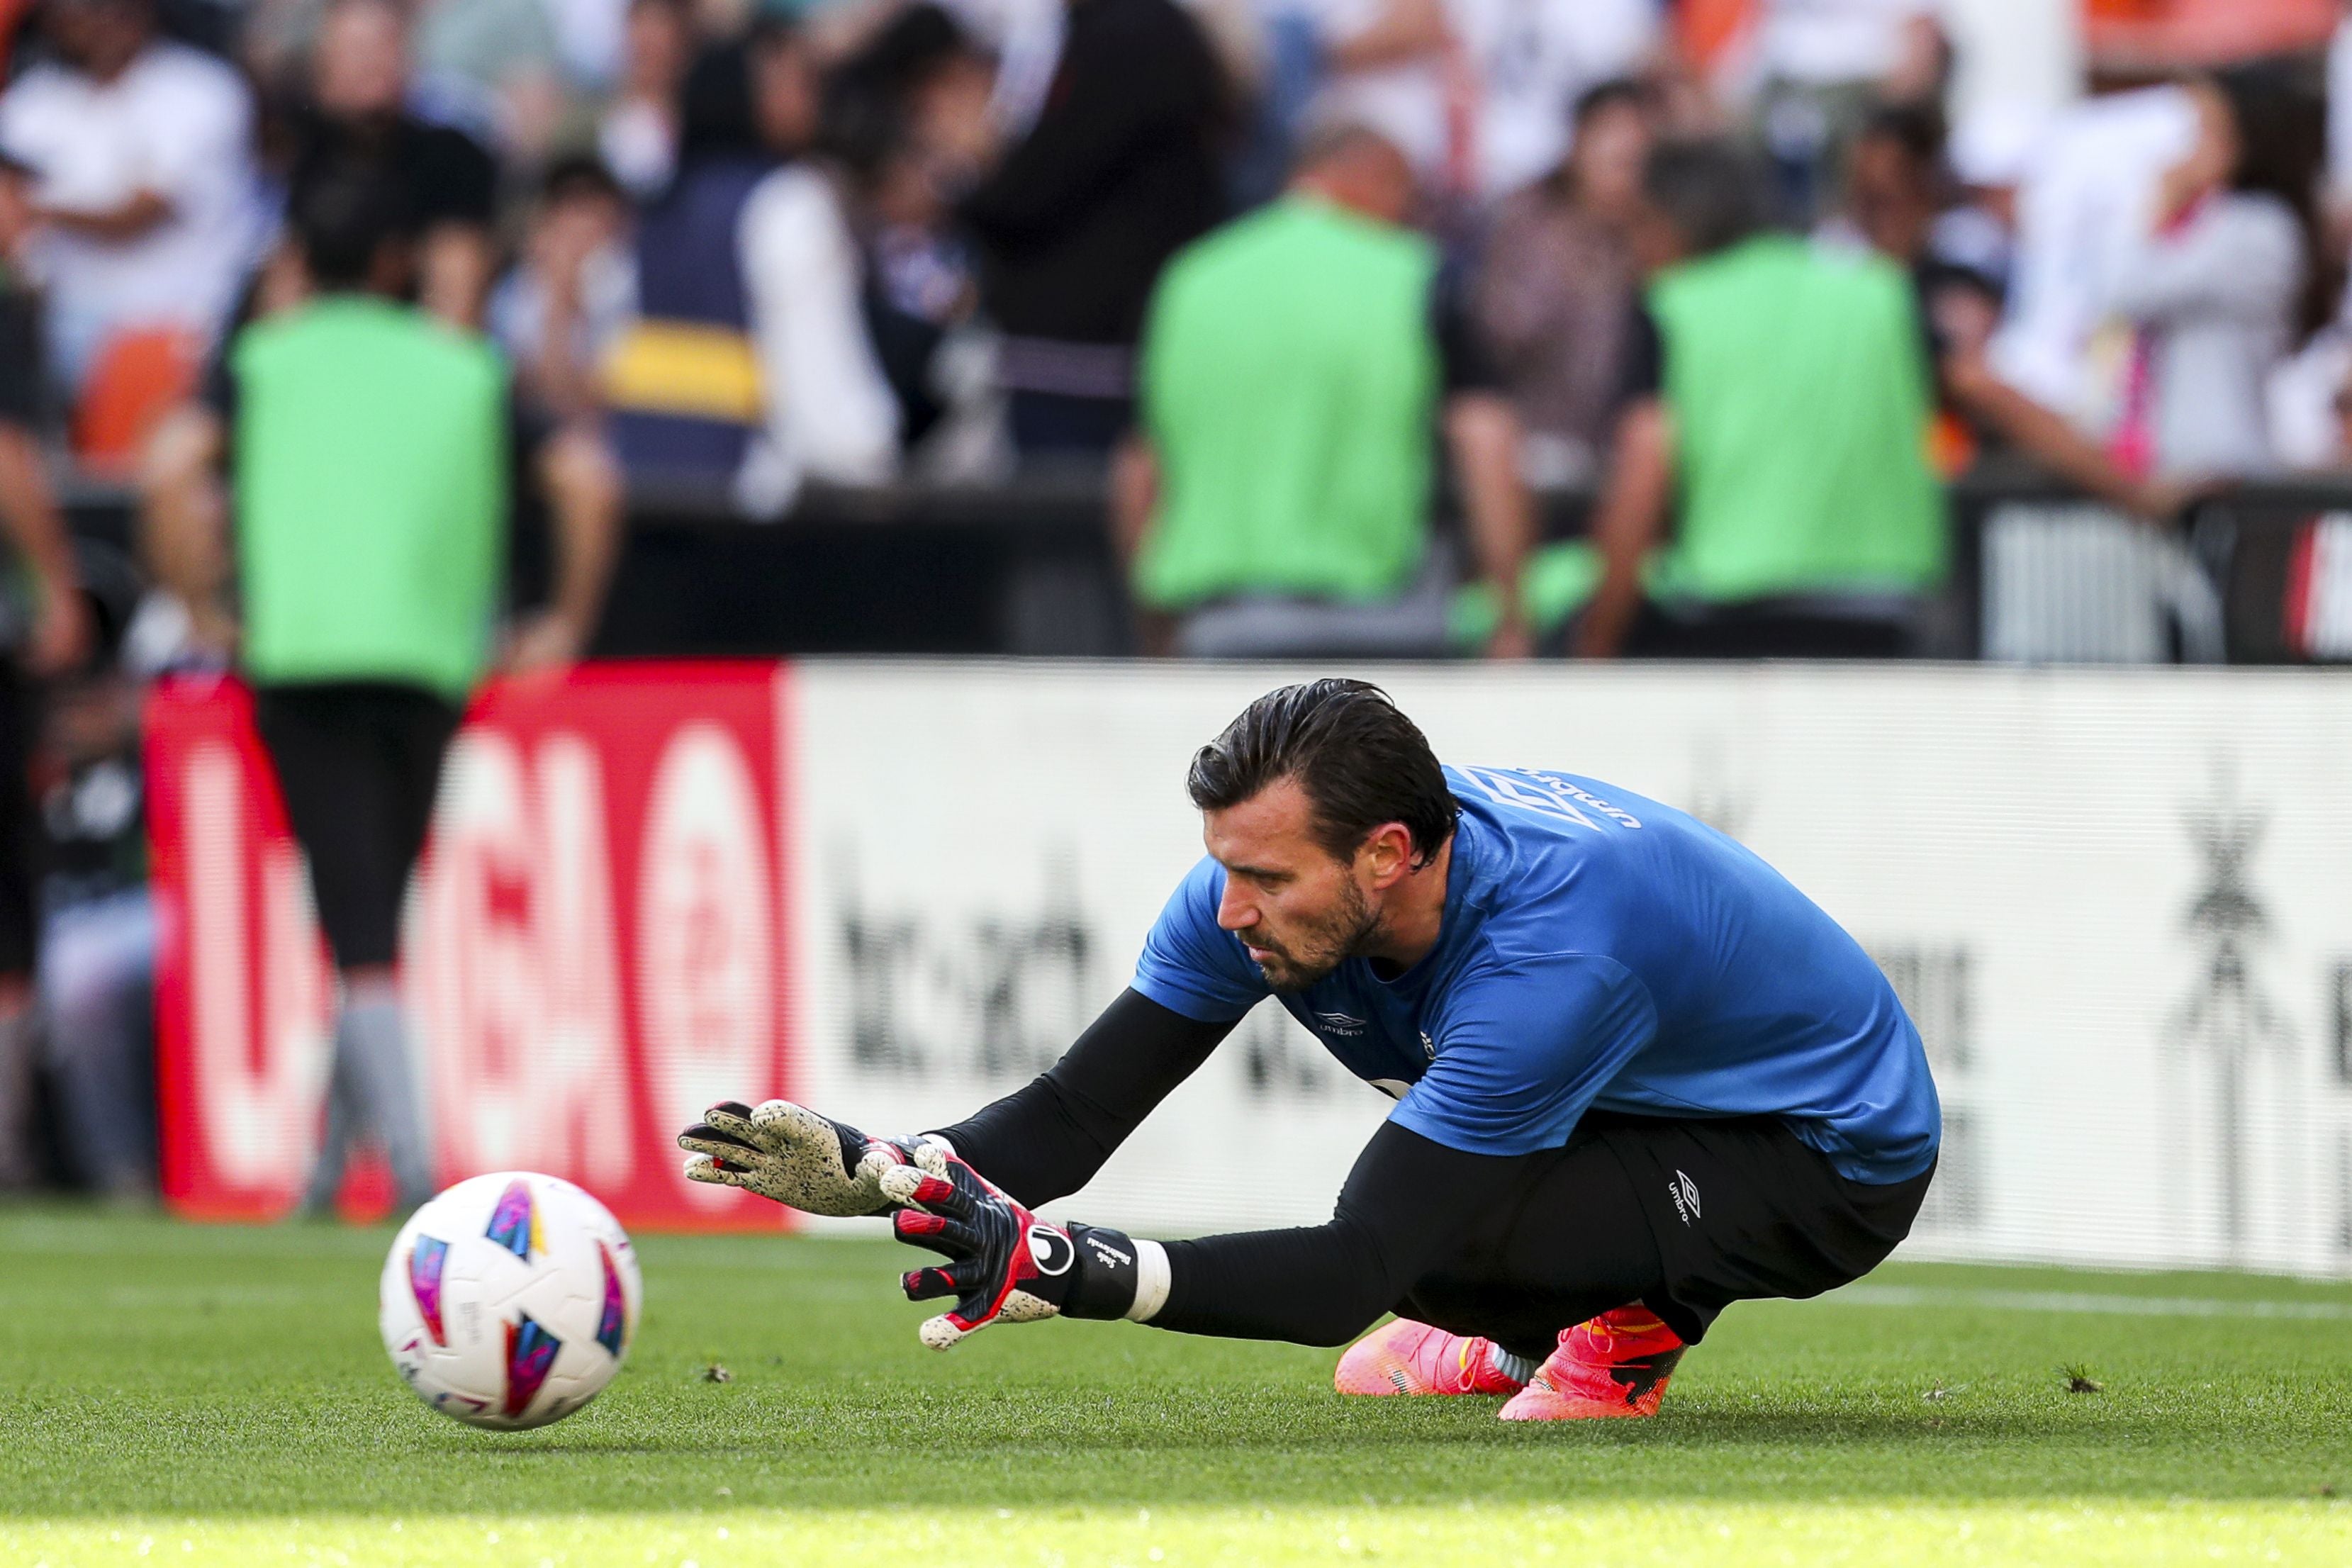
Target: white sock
x,y
374,1033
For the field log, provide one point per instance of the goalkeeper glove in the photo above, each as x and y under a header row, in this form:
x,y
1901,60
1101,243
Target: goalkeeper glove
x,y
1004,1263
803,1161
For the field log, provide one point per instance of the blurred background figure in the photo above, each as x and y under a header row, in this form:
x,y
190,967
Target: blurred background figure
x,y
1300,365
358,124
702,386
1075,217
1897,191
1476,91
1821,66
2220,281
918,278
1556,284
2085,187
45,630
1525,64
495,67
1779,402
371,497
98,922
148,206
637,134
571,291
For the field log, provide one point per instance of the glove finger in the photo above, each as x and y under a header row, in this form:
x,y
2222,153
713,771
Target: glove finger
x,y
1021,1306
703,1168
942,1333
935,1233
977,1306
930,1284
730,1119
877,1157
704,1139
913,1184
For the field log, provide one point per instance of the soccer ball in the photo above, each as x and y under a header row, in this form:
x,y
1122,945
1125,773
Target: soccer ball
x,y
509,1300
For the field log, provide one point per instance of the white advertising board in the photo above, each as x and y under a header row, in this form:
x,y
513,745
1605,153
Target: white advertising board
x,y
2118,904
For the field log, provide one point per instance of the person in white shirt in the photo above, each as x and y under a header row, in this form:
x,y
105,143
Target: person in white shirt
x,y
830,414
2086,189
144,150
2217,282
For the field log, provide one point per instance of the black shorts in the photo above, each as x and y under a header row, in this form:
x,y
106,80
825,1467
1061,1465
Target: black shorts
x,y
1684,1217
358,764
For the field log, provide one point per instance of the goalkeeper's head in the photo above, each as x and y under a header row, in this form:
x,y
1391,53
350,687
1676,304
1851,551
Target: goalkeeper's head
x,y
1333,821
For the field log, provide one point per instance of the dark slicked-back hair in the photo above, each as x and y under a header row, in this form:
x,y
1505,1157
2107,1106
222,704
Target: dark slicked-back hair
x,y
1359,760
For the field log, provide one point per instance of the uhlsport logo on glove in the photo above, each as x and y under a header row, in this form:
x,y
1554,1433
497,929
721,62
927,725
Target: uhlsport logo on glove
x,y
1050,1249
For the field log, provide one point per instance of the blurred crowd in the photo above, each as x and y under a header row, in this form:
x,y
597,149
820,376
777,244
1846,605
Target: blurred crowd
x,y
1332,292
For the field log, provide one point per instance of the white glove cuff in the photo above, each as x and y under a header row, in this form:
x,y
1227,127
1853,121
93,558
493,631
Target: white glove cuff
x,y
1150,1281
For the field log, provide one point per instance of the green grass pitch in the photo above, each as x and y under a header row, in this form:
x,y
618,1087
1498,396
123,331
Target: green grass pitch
x,y
175,1394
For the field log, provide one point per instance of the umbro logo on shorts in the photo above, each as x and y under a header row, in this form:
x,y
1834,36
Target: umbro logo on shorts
x,y
1684,1192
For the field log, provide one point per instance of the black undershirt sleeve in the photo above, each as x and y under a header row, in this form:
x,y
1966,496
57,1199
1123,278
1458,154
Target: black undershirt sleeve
x,y
1046,1140
1405,1200
1642,374
1462,361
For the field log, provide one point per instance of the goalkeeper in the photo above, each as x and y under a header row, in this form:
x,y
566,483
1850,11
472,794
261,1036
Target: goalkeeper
x,y
1638,1076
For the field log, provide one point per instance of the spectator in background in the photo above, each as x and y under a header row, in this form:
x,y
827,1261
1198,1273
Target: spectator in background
x,y
2220,282
98,922
1895,190
1823,65
146,182
2082,191
830,414
1556,285
637,134
749,368
45,630
1780,405
358,125
492,65
573,290
1390,66
1276,500
371,501
1472,90
917,285
591,43
1076,218
1528,62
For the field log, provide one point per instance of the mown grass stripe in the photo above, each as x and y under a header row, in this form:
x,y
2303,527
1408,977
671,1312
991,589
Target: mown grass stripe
x,y
1868,1295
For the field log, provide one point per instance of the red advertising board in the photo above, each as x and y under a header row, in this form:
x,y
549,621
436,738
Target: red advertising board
x,y
595,947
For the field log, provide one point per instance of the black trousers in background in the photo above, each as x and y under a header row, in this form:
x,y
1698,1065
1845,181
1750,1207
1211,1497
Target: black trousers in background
x,y
1685,1217
20,718
358,763
1762,628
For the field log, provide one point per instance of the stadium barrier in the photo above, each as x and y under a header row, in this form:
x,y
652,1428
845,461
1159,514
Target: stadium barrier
x,y
2262,575
2116,903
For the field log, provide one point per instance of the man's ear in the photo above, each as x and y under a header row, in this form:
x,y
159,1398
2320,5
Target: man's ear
x,y
1389,848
